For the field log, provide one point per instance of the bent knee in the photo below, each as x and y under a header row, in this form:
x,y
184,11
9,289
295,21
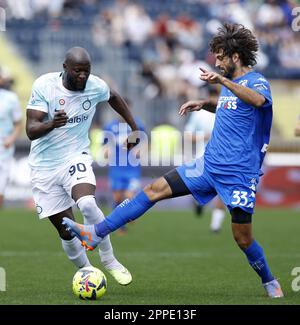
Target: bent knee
x,y
86,205
150,192
158,190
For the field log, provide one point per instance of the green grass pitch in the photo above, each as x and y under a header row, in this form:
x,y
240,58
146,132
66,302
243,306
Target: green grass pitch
x,y
173,257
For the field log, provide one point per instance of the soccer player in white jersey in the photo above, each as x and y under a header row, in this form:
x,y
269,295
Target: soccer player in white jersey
x,y
10,128
59,115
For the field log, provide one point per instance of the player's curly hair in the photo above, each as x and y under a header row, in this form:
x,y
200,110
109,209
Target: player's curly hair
x,y
235,38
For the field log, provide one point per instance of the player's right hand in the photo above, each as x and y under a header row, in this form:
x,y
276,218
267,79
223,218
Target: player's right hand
x,y
60,119
191,106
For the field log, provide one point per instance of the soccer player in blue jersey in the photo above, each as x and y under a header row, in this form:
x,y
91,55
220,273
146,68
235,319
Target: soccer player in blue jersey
x,y
124,175
231,165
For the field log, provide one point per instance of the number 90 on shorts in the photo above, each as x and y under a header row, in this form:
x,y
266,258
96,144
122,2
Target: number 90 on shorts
x,y
52,189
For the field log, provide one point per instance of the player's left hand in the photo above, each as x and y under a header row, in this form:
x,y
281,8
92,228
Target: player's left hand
x,y
210,77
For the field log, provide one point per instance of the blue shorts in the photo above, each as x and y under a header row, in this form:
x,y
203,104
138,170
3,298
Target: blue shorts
x,y
131,184
236,190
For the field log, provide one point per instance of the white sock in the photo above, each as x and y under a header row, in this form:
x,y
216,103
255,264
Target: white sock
x,y
217,218
75,252
92,215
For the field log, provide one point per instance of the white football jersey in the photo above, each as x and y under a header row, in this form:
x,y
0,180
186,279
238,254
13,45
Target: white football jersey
x,y
201,121
10,112
62,144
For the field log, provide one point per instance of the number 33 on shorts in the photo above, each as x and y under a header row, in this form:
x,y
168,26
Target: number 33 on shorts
x,y
243,198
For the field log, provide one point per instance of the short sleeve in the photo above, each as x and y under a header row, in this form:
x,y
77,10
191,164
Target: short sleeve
x,y
262,86
38,100
104,91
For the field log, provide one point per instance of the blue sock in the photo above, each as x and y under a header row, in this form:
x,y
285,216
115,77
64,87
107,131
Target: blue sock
x,y
256,259
127,211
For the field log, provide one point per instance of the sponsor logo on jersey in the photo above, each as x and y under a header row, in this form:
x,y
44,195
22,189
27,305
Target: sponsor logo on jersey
x,y
61,102
230,105
78,119
86,105
227,102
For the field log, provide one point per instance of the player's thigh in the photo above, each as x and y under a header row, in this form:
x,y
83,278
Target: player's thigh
x,y
79,178
197,180
158,190
49,195
238,191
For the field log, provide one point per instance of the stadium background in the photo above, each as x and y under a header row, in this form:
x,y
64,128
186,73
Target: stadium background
x,y
150,51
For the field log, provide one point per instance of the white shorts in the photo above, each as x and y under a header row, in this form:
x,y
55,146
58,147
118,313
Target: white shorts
x,y
52,189
4,174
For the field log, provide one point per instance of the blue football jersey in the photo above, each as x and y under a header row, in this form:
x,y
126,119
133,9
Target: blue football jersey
x,y
242,132
115,135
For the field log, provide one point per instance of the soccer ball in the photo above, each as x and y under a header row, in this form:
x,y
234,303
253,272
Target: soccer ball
x,y
89,283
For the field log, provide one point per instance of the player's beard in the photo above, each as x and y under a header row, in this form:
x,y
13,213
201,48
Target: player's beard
x,y
230,69
81,86
73,83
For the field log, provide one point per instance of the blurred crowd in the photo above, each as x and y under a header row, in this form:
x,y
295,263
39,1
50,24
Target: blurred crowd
x,y
169,38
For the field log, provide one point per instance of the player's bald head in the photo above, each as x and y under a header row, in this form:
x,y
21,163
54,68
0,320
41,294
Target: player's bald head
x,y
77,55
77,68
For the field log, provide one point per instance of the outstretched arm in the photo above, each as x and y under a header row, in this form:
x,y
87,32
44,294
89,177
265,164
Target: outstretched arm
x,y
120,106
195,105
36,127
246,94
